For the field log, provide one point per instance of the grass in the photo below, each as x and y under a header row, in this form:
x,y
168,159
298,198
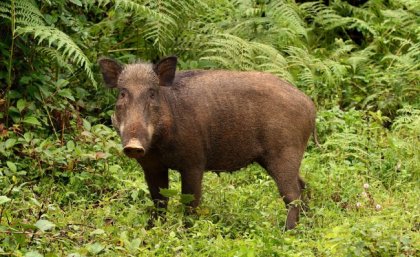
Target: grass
x,y
363,189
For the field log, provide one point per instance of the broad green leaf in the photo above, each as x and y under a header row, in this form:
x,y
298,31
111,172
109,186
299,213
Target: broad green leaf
x,y
134,245
20,105
114,168
76,2
70,145
12,166
95,248
36,202
45,91
4,199
33,254
32,120
97,232
61,83
134,194
168,192
66,93
24,80
75,255
3,229
44,225
187,198
86,125
28,136
14,111
10,143
124,237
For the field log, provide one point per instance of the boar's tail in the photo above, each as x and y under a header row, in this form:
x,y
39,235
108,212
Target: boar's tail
x,y
315,138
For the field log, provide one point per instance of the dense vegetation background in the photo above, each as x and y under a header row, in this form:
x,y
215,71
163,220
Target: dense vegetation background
x,y
66,189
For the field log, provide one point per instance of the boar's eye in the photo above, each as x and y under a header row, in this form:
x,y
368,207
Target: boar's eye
x,y
152,94
122,94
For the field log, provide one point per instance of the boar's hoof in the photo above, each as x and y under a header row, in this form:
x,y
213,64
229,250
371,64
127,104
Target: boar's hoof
x,y
156,215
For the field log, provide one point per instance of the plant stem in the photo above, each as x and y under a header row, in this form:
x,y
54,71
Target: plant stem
x,y
9,66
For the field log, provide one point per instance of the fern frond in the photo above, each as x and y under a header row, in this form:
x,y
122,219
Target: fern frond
x,y
25,12
5,8
286,15
164,20
411,5
330,20
414,53
341,49
232,52
136,7
361,59
401,20
55,56
250,24
90,3
310,10
336,70
270,60
403,61
409,118
306,77
63,43
298,56
320,75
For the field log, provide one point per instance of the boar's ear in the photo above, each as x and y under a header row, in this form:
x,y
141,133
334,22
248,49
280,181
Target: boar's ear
x,y
165,70
111,70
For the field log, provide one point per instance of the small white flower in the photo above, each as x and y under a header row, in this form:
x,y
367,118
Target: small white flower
x,y
358,205
365,185
364,194
378,207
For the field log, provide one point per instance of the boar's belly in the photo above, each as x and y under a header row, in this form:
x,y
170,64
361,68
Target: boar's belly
x,y
232,156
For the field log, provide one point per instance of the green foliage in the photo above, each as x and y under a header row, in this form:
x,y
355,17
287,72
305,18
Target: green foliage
x,y
69,50
66,189
25,18
23,13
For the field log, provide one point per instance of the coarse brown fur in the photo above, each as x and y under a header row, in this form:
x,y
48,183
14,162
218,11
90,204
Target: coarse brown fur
x,y
193,121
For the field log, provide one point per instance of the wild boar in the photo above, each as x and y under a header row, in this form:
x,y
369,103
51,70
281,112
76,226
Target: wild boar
x,y
216,120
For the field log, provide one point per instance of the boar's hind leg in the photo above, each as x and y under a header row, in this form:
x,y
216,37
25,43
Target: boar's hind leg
x,y
157,178
284,169
304,197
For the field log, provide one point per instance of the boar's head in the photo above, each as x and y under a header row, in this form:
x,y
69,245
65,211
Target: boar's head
x,y
138,107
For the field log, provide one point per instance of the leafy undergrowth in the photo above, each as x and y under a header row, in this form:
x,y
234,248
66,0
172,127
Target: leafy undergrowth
x,y
362,184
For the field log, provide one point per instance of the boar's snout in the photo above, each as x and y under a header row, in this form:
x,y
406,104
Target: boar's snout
x,y
134,149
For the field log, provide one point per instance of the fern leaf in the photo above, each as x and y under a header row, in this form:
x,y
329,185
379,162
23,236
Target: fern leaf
x,y
100,3
411,5
162,22
58,38
25,12
232,52
135,7
55,56
286,16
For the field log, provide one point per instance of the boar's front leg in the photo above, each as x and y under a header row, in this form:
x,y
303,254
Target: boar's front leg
x,y
191,184
157,178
